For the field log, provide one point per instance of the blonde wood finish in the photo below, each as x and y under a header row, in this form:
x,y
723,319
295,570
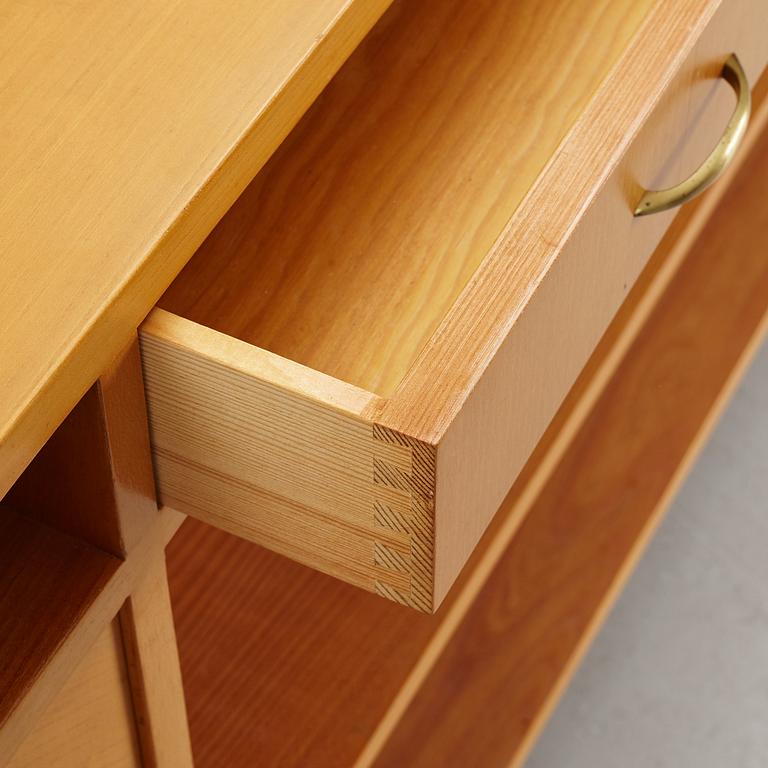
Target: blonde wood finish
x,y
90,723
352,243
231,424
281,661
323,661
548,595
146,619
296,620
517,338
53,644
153,665
93,478
126,436
48,583
127,131
307,275
553,448
653,116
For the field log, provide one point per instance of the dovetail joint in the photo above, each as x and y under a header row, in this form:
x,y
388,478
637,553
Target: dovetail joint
x,y
403,508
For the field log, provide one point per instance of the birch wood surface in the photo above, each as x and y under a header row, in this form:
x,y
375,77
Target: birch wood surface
x,y
298,620
527,630
356,240
126,131
90,722
350,246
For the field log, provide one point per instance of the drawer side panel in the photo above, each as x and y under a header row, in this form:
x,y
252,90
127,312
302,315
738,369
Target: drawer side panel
x,y
277,459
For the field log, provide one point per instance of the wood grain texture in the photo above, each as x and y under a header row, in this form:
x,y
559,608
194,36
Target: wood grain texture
x,y
404,503
126,433
677,244
517,338
53,488
48,581
146,621
128,130
486,697
149,640
288,693
282,665
90,722
299,250
279,454
352,243
634,132
93,478
290,677
296,265
48,570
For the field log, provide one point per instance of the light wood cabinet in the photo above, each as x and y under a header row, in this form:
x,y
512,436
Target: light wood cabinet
x,y
360,283
358,361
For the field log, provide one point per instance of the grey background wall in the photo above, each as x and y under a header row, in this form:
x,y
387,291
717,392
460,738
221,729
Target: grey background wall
x,y
678,677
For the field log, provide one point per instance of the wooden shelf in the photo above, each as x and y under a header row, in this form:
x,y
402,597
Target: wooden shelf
x,y
47,582
290,665
352,243
275,656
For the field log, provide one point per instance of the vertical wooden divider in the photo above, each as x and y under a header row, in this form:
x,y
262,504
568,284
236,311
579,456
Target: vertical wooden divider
x,y
93,480
124,417
146,620
149,639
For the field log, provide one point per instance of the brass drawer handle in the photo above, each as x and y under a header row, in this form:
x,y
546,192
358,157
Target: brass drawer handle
x,y
721,156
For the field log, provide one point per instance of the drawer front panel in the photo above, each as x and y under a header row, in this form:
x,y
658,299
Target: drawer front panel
x,y
486,443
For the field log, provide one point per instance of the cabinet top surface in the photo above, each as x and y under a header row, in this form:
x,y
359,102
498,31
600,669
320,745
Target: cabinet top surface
x,y
127,129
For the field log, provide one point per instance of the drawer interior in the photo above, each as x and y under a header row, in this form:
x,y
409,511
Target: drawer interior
x,y
352,243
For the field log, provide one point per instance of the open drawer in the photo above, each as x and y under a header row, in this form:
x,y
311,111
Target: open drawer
x,y
356,364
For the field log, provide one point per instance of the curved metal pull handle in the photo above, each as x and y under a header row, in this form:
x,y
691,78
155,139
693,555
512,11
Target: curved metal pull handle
x,y
721,156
